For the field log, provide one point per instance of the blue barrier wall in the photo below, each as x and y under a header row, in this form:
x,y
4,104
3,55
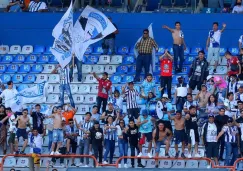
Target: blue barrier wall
x,y
36,28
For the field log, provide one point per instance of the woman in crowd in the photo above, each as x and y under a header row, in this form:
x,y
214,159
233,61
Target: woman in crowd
x,y
211,107
117,100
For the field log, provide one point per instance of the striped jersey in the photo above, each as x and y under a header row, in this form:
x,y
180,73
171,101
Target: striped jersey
x,y
35,7
230,134
131,98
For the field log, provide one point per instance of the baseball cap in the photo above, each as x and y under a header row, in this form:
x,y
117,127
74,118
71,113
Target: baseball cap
x,y
165,96
144,112
210,115
209,77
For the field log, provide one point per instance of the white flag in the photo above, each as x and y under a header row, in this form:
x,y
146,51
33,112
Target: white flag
x,y
91,26
151,34
62,46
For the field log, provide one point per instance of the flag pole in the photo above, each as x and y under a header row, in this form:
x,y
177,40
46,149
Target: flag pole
x,y
73,64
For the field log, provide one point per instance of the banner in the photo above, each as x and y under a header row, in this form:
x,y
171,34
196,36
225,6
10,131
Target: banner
x,y
151,34
91,26
29,95
62,46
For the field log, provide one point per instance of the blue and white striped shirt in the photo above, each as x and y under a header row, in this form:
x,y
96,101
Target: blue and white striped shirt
x,y
230,134
111,134
64,75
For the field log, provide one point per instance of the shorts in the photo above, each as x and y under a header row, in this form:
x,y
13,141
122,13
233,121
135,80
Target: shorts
x,y
147,136
212,149
232,73
57,135
73,144
133,112
193,84
11,138
179,136
36,159
22,133
213,55
158,144
189,140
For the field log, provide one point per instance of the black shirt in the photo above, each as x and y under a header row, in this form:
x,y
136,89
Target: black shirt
x,y
93,136
133,135
111,113
38,121
221,120
239,120
112,35
192,122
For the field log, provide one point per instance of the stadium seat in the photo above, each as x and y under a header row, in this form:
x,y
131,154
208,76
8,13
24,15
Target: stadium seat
x,y
186,11
234,50
48,68
89,50
131,51
187,51
38,49
179,164
188,60
24,68
83,89
41,78
40,100
5,78
4,49
115,79
52,60
195,50
86,69
31,59
192,164
50,89
98,50
15,49
56,88
165,164
222,51
29,78
141,101
122,69
12,68
7,59
123,50
208,10
221,69
54,78
27,49
89,79
98,68
116,59
82,109
132,69
22,87
156,79
74,88
91,59
77,98
17,78
48,50
94,89
170,49
3,68
127,78
128,60
90,99
104,59
173,10
203,164
52,98
157,70
18,59
150,164
42,59
118,88
110,69
37,68
161,50
10,162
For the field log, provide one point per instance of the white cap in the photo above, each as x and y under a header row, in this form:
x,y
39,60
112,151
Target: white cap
x,y
165,96
63,119
209,77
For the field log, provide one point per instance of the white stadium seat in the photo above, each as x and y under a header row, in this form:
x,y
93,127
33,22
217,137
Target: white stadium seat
x,y
221,70
192,164
150,164
162,152
90,99
56,88
98,69
40,100
165,164
48,69
4,49
94,89
110,69
41,78
178,164
54,78
50,88
82,109
74,88
86,69
83,89
78,98
90,79
10,162
15,49
22,162
203,164
27,49
52,98
116,59
104,59
66,98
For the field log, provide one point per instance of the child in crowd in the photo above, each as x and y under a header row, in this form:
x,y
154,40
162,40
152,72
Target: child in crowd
x,y
148,85
117,100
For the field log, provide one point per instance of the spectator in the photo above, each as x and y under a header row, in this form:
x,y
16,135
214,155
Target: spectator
x,y
167,109
166,61
213,45
110,112
232,84
12,129
230,104
179,45
198,72
15,6
102,3
180,93
212,107
239,94
148,85
179,133
233,64
210,84
241,42
37,6
117,100
68,112
202,97
64,83
109,41
9,94
144,59
3,131
233,2
75,62
95,116
49,124
37,119
161,136
238,8
103,90
238,111
5,119
80,4
190,102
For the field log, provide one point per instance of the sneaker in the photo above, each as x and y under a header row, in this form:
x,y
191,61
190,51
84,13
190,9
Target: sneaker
x,y
52,153
140,154
189,156
140,165
183,155
214,71
132,166
167,155
125,166
17,152
177,155
208,166
62,165
51,164
197,155
80,164
57,153
150,155
86,165
105,162
119,165
73,165
156,166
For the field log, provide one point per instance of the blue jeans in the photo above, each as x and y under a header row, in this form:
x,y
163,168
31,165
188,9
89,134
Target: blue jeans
x,y
123,148
68,91
178,53
221,3
143,60
180,103
109,44
50,136
84,149
231,148
58,135
102,3
109,148
79,67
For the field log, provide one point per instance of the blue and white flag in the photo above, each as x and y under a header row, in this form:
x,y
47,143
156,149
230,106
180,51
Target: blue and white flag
x,y
151,34
91,26
63,34
28,95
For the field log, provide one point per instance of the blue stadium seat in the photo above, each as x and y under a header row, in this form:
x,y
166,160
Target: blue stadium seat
x,y
123,50
141,101
141,78
116,79
156,79
170,49
31,59
42,59
131,51
222,51
174,79
12,68
39,49
29,78
48,48
185,70
195,50
132,69
91,59
119,88
208,10
157,70
89,50
22,87
7,59
98,50
17,78
188,60
128,60
234,50
52,60
25,68
19,59
187,51
5,78
3,68
127,78
161,50
122,69
36,68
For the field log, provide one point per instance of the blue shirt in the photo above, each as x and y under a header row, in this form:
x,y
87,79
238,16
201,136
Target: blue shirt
x,y
168,107
146,127
148,86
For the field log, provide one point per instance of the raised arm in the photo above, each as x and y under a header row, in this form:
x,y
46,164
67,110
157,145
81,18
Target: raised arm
x,y
223,28
168,28
95,75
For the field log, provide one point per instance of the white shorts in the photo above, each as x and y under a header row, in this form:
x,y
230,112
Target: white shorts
x,y
213,55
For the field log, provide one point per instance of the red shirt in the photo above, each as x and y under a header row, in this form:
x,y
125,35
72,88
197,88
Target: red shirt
x,y
233,63
104,87
166,67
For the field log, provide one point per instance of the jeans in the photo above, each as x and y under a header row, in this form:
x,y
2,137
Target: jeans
x,y
84,149
143,60
222,144
68,91
123,148
79,67
231,148
133,153
180,103
50,136
109,148
98,151
221,3
166,82
109,44
99,101
102,3
178,53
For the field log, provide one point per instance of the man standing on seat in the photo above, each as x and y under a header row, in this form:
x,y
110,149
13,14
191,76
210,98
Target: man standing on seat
x,y
9,94
38,119
144,59
179,45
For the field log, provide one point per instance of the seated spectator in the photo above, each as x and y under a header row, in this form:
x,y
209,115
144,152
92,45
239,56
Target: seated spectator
x,y
238,8
190,102
211,107
37,6
15,6
232,84
230,104
117,100
95,116
233,64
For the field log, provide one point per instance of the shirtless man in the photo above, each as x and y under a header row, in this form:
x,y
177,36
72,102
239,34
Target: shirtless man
x,y
179,133
23,122
179,45
57,131
160,137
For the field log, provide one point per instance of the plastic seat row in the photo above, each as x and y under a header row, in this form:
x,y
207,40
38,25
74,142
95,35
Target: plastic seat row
x,y
27,49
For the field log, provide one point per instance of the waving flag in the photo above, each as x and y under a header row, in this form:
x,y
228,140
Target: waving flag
x,y
91,26
62,46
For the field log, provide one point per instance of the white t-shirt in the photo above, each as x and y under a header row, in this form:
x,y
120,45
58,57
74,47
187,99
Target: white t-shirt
x,y
12,124
36,142
118,102
35,7
211,132
231,107
237,9
188,104
214,38
8,95
181,91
